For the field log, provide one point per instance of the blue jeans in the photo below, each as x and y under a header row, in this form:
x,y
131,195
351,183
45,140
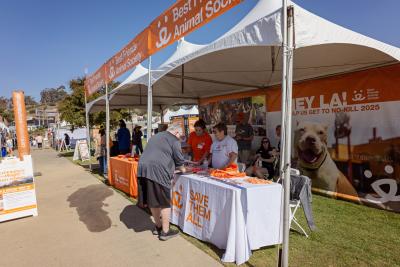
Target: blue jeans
x,y
103,165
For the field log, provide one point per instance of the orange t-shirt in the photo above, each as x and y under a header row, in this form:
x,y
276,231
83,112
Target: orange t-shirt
x,y
199,144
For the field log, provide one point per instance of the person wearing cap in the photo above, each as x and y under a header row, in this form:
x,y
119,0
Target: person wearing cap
x,y
137,139
244,137
156,169
199,142
123,138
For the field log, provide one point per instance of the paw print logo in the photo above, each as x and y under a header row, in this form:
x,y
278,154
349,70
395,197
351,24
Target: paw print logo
x,y
383,196
163,34
177,198
358,96
111,73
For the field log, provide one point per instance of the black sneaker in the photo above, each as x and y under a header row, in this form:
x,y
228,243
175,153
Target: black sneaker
x,y
171,233
156,230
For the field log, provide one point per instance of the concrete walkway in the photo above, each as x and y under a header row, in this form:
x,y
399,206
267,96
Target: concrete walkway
x,y
82,222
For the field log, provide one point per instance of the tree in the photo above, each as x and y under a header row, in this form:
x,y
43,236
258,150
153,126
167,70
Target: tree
x,y
6,111
5,103
51,96
99,118
72,107
30,101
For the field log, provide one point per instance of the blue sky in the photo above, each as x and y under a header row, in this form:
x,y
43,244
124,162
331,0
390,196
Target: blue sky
x,y
46,43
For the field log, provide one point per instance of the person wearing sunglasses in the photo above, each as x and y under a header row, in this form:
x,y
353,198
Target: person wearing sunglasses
x,y
265,156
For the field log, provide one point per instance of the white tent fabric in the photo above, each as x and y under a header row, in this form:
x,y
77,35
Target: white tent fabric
x,y
249,57
181,112
133,91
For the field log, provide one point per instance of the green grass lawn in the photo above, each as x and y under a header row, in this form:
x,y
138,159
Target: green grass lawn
x,y
348,235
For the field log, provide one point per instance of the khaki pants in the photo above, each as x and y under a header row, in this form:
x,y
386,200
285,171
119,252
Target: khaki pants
x,y
244,156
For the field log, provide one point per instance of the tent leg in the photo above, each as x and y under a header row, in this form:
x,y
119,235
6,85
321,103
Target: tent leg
x,y
287,125
149,104
108,133
88,133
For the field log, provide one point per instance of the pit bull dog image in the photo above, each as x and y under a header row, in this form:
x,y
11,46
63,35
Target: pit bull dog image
x,y
314,160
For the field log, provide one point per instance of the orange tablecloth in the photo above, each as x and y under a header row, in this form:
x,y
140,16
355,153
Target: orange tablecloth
x,y
123,175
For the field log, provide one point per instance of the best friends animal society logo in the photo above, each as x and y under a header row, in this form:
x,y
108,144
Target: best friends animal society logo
x,y
184,17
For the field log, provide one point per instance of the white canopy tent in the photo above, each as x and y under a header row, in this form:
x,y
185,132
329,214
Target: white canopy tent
x,y
249,56
181,112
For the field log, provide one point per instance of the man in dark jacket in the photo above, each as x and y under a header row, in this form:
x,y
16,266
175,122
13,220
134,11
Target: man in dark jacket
x,y
156,169
124,138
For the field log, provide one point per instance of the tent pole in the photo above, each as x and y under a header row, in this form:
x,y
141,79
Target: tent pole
x,y
287,129
108,132
182,79
162,114
284,257
88,132
149,104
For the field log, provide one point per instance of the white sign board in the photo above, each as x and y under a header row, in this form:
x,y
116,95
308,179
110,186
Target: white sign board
x,y
81,151
17,189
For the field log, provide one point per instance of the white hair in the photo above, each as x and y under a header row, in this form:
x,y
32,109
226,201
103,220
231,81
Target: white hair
x,y
175,128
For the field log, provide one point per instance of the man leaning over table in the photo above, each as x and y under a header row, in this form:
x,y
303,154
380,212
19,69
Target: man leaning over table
x,y
224,149
156,169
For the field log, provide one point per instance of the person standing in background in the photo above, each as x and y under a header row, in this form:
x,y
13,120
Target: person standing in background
x,y
39,141
10,145
244,137
103,152
123,138
137,139
278,136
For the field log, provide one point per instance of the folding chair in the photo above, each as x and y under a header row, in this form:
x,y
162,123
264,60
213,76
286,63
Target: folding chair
x,y
294,206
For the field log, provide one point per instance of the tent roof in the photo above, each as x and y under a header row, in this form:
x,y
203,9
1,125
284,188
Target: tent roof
x,y
249,56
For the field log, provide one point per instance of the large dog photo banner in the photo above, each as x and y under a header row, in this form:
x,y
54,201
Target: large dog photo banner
x,y
347,134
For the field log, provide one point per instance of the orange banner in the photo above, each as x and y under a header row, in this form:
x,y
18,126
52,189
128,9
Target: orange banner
x,y
342,91
95,81
21,124
130,56
184,17
180,19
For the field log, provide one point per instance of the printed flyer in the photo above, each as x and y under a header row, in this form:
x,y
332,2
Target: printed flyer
x,y
17,189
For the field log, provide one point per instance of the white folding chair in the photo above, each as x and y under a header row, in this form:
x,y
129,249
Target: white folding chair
x,y
294,206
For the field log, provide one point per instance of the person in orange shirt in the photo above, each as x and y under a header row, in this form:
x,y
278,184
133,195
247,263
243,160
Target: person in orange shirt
x,y
199,142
